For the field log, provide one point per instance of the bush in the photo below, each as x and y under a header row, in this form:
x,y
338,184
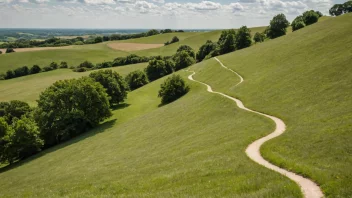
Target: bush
x,y
310,17
157,69
0,52
188,49
116,86
35,69
298,23
183,60
86,64
175,39
9,50
277,26
173,88
70,107
243,38
259,37
24,141
98,39
63,64
54,65
21,71
47,68
10,74
136,79
205,49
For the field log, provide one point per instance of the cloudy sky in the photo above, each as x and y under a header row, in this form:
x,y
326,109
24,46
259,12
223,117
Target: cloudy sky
x,y
176,14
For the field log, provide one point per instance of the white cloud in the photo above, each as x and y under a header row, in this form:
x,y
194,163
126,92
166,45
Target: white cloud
x,y
203,6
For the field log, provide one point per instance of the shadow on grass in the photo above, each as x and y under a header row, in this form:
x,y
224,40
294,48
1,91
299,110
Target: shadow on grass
x,y
99,129
119,106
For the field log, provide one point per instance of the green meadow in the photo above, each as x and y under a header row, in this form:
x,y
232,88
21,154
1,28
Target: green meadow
x,y
195,146
305,79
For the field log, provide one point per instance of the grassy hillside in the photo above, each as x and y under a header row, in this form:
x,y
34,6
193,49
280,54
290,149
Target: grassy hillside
x,y
157,154
304,78
28,88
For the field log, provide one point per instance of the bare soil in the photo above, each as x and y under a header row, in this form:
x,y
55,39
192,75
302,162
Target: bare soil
x,y
133,46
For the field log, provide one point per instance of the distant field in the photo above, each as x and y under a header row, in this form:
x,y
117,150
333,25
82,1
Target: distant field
x,y
38,49
132,46
28,88
101,52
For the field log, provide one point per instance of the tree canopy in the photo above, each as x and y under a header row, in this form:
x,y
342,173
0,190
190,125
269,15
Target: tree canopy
x,y
205,49
173,88
69,107
115,85
277,26
158,68
243,38
136,79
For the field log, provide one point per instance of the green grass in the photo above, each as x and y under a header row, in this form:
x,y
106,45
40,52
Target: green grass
x,y
195,146
28,88
305,79
192,147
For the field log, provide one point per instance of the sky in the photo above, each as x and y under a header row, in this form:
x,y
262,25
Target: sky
x,y
147,14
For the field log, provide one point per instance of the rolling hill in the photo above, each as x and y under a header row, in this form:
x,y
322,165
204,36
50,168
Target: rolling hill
x,y
196,145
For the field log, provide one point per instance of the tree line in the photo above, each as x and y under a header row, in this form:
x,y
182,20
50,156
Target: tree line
x,y
59,42
339,9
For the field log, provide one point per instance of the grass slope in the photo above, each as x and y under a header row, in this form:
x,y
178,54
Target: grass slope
x,y
28,88
156,152
305,79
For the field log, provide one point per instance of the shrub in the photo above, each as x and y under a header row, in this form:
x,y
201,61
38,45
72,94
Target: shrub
x,y
188,49
298,23
21,71
136,79
116,86
69,107
63,64
10,74
310,17
173,88
183,60
54,65
10,50
157,69
35,69
24,140
86,64
259,37
243,38
0,52
277,26
98,39
175,39
47,68
205,49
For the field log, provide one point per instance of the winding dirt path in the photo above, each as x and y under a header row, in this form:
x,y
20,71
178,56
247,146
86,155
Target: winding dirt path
x,y
308,187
